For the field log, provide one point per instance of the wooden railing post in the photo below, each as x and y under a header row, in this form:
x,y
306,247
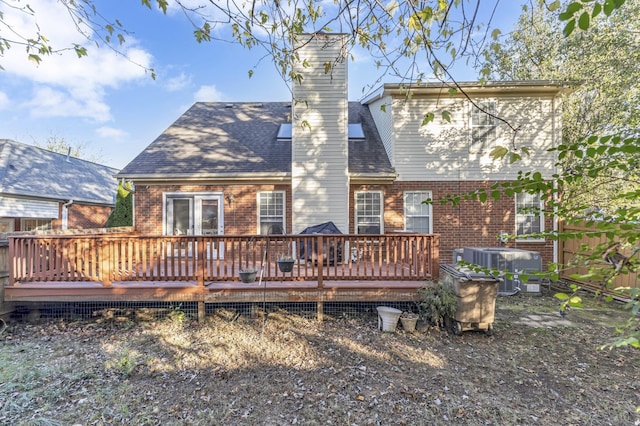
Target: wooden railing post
x,y
104,253
11,261
321,261
435,257
201,261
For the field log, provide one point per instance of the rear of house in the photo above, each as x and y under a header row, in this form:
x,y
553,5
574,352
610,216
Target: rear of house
x,y
279,167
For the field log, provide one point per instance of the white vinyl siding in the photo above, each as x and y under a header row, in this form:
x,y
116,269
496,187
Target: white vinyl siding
x,y
368,210
319,175
529,215
440,150
23,207
417,215
381,111
271,212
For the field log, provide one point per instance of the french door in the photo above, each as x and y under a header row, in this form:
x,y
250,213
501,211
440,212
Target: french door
x,y
194,214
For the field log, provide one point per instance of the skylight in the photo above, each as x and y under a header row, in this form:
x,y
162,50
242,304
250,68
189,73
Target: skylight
x,y
284,132
355,131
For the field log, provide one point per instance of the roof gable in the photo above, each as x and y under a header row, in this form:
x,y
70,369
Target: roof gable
x,y
217,140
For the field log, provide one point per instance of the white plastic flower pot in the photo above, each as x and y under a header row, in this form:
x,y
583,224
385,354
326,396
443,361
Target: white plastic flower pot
x,y
388,318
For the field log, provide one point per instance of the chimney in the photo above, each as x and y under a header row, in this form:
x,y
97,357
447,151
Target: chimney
x,y
320,182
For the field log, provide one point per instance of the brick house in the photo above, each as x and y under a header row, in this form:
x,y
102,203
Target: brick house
x,y
248,168
41,190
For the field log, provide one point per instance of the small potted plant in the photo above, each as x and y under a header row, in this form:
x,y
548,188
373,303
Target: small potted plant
x,y
248,275
409,321
285,262
438,303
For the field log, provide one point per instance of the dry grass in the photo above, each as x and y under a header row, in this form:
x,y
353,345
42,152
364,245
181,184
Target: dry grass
x,y
536,369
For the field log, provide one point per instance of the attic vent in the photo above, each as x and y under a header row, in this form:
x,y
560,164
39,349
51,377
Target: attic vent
x,y
228,106
257,105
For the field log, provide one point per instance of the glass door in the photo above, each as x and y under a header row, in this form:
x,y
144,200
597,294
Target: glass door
x,y
179,216
180,222
209,221
195,214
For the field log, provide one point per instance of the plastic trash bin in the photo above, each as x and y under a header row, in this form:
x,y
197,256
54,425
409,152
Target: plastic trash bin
x,y
476,293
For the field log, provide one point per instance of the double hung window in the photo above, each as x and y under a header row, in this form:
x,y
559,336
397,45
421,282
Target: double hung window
x,y
484,128
529,215
417,216
368,210
271,211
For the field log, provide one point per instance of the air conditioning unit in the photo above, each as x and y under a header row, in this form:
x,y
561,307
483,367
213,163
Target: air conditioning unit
x,y
512,260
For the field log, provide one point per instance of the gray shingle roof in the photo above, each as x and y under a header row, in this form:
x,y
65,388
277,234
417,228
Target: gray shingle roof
x,y
367,155
217,139
30,171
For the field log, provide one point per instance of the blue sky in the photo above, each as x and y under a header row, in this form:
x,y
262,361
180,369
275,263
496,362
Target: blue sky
x,y
112,107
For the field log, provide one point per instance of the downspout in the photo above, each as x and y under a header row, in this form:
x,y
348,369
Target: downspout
x,y
557,123
65,214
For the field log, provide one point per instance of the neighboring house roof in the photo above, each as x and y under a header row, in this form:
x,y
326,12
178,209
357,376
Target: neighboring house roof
x,y
29,171
239,140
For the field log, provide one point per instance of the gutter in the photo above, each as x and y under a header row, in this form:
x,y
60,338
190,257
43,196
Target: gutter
x,y
374,96
282,176
512,87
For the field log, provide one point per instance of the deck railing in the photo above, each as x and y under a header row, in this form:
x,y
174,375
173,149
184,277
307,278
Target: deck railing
x,y
203,259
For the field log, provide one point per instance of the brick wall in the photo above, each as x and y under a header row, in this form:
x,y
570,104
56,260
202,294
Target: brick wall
x,y
469,224
466,225
82,216
240,214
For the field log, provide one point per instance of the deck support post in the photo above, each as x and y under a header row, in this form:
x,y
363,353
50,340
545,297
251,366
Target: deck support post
x,y
201,311
320,308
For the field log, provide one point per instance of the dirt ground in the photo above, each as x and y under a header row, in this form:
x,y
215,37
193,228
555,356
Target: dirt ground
x,y
536,369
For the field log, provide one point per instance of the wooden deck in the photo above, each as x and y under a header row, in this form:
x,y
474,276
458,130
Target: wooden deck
x,y
336,268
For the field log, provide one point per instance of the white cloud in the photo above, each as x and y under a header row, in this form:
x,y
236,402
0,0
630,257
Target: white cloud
x,y
4,101
111,133
177,83
78,83
208,94
49,102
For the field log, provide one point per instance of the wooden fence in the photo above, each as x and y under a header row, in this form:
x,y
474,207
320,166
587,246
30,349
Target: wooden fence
x,y
570,252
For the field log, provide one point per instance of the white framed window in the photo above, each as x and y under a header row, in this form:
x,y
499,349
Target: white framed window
x,y
368,210
6,225
417,215
271,212
529,216
484,127
36,224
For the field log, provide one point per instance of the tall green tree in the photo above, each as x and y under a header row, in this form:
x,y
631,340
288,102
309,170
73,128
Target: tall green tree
x,y
606,63
122,215
599,159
